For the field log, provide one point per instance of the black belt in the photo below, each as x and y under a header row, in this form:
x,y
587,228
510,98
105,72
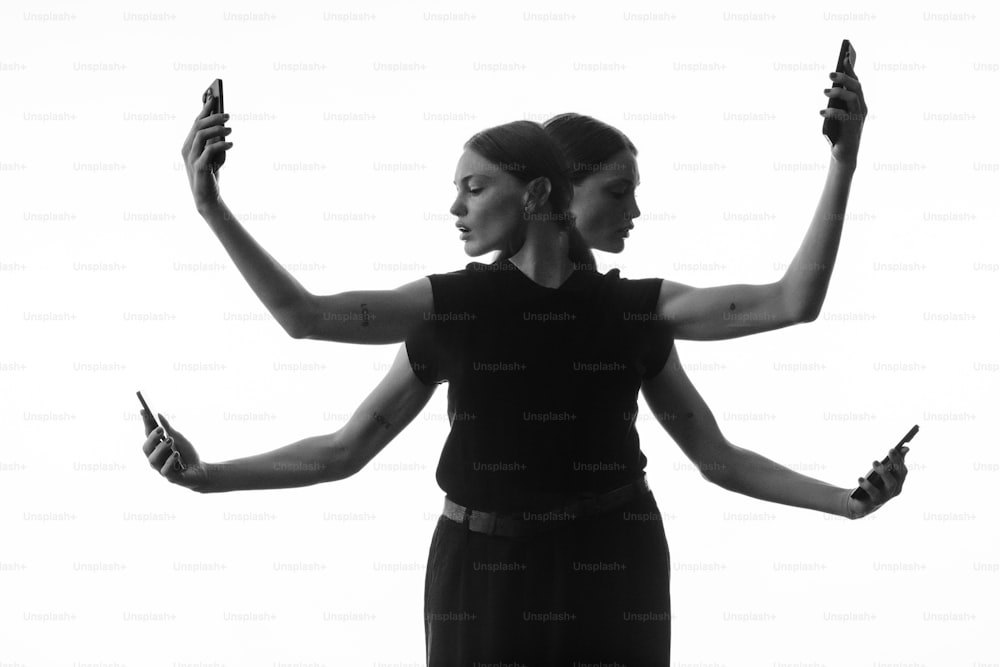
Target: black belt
x,y
529,523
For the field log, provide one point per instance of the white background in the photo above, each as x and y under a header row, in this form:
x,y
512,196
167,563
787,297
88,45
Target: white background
x,y
348,120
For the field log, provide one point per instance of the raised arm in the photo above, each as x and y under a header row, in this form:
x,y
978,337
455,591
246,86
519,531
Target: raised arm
x,y
368,317
373,317
389,408
352,317
683,413
731,311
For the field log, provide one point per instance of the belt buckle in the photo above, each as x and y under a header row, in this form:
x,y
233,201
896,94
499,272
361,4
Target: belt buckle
x,y
492,523
482,522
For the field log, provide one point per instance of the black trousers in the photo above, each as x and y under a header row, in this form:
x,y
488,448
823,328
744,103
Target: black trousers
x,y
591,591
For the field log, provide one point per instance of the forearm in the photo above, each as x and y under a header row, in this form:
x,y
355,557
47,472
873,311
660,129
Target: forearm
x,y
304,463
808,276
747,472
277,289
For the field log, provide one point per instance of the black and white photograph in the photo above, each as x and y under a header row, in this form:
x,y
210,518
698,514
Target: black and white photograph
x,y
511,335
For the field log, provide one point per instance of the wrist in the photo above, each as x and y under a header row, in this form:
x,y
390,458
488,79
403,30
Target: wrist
x,y
209,470
846,505
848,163
209,206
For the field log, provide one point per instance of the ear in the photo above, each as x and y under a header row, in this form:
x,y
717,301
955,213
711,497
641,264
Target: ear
x,y
537,194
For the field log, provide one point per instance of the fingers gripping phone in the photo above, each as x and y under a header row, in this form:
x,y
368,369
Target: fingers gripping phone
x,y
179,462
873,476
214,92
831,127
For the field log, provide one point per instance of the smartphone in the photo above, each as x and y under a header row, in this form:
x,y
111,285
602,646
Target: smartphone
x,y
179,462
873,476
214,92
831,127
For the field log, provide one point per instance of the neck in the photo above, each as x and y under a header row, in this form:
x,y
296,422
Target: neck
x,y
544,257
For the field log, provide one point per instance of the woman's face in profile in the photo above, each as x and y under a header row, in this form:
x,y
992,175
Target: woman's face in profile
x,y
604,203
488,204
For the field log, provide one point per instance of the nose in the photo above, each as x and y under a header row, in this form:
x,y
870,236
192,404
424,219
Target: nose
x,y
457,208
633,211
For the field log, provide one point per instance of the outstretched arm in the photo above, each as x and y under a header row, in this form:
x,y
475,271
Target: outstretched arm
x,y
681,410
368,317
731,311
389,408
353,317
808,276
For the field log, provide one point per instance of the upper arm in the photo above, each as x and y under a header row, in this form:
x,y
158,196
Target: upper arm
x,y
375,317
725,311
391,406
683,413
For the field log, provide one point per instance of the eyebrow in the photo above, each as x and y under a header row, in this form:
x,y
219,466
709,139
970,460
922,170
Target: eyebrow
x,y
465,178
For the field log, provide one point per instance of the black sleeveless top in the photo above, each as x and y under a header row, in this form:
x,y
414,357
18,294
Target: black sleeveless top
x,y
542,381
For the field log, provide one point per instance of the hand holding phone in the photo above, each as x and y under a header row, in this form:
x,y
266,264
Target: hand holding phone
x,y
152,424
832,127
204,148
874,477
213,94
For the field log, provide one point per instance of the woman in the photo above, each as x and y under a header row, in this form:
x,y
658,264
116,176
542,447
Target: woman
x,y
605,207
542,471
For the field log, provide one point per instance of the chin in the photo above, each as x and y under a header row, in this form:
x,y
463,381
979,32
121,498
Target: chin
x,y
614,246
473,250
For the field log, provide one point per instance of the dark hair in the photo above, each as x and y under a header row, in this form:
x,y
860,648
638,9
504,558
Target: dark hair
x,y
586,142
525,150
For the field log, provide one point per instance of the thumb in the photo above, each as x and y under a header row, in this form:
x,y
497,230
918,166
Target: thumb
x,y
181,444
166,425
849,68
147,421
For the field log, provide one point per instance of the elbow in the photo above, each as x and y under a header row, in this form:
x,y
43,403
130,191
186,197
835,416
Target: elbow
x,y
336,472
297,321
297,333
719,468
798,307
804,316
714,473
341,461
802,313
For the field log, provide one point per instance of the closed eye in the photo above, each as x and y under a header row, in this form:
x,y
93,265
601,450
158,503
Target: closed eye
x,y
621,188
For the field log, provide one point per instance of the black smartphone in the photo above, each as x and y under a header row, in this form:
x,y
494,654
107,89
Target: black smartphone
x,y
831,127
179,463
214,92
873,476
